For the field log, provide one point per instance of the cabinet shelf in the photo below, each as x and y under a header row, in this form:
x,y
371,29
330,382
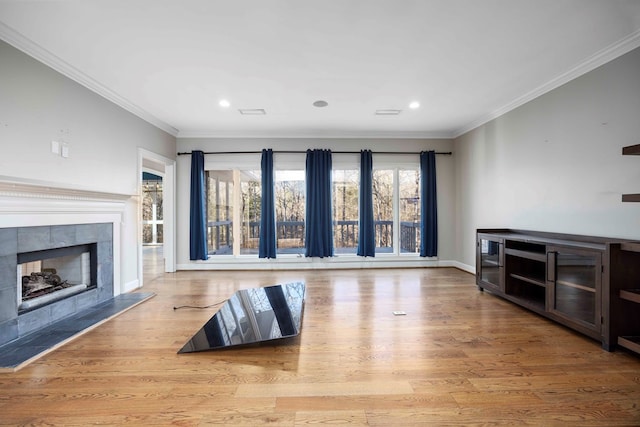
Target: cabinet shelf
x,y
527,254
575,286
630,342
630,295
630,246
530,280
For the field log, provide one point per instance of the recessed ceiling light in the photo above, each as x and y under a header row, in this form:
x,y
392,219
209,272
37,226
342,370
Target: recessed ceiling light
x,y
320,103
253,111
388,112
224,103
414,105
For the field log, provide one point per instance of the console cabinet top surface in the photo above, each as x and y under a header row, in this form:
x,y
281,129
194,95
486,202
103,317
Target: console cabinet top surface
x,y
546,238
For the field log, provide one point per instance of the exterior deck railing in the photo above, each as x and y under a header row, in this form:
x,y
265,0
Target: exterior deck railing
x,y
291,234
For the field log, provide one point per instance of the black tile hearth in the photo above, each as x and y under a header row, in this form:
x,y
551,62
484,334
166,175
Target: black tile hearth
x,y
18,353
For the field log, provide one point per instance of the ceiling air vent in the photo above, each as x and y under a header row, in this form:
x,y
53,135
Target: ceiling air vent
x,y
252,112
388,112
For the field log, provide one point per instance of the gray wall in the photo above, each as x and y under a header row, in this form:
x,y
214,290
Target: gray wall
x,y
38,105
555,163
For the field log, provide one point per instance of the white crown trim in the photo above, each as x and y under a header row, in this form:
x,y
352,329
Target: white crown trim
x,y
36,51
317,134
619,48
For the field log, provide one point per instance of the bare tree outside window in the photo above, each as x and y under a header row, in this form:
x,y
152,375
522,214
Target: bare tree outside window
x,y
220,212
251,187
409,188
152,210
383,209
345,210
290,211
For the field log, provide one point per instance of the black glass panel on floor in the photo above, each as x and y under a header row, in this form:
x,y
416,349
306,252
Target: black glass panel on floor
x,y
252,316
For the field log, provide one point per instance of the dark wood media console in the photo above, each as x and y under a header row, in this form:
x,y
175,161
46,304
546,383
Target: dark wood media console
x,y
589,284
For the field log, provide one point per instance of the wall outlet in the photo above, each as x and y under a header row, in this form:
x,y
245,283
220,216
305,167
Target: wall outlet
x,y
55,147
65,150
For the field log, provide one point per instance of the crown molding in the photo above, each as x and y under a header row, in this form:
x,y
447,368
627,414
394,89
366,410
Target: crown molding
x,y
625,45
19,41
317,134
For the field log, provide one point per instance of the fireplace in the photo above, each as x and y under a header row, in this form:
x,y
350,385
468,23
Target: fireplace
x,y
50,275
50,272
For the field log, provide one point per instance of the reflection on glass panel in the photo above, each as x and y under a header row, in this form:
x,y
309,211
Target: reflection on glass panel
x,y
383,210
251,188
252,316
290,211
345,210
575,285
490,263
219,212
409,188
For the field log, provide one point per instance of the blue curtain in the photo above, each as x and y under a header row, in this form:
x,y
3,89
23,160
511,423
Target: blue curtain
x,y
267,247
318,227
366,230
198,215
428,205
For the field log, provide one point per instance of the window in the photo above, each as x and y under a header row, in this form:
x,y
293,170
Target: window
x,y
251,202
219,212
345,210
290,211
383,191
151,209
409,188
234,202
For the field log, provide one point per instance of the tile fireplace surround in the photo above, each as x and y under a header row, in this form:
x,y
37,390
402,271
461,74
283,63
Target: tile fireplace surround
x,y
36,217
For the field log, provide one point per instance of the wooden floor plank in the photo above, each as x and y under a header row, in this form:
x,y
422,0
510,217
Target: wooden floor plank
x,y
458,357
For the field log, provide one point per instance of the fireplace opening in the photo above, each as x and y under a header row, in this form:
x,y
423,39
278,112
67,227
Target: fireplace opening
x,y
50,275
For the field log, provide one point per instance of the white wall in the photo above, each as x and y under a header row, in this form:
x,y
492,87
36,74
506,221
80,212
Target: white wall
x,y
38,105
555,163
445,181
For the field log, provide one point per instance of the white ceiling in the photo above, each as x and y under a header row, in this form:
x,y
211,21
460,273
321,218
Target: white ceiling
x,y
465,61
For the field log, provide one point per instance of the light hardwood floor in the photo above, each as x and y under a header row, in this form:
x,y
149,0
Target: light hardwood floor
x,y
459,357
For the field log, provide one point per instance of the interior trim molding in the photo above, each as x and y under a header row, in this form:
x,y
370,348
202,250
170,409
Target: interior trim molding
x,y
20,42
34,189
625,45
319,134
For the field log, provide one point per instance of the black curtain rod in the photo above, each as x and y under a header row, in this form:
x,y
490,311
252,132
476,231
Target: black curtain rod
x,y
445,153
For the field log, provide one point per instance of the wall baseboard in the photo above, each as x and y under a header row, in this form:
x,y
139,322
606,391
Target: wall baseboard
x,y
464,267
320,264
130,286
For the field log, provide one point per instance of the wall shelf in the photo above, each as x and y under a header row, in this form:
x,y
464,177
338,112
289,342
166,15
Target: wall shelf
x,y
631,150
631,198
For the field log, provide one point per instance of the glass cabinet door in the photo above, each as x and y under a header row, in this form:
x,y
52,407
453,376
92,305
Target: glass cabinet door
x,y
575,277
490,260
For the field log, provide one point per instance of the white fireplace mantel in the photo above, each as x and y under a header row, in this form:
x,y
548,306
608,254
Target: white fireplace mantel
x,y
29,203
